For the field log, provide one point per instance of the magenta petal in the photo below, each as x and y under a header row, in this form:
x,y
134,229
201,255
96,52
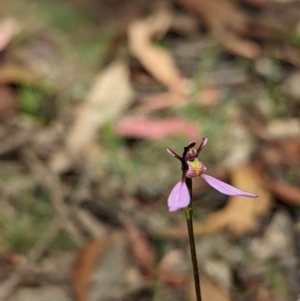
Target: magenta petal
x,y
179,197
225,188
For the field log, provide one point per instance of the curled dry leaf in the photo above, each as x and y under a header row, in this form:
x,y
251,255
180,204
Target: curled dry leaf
x,y
84,266
157,61
140,127
141,249
104,102
240,214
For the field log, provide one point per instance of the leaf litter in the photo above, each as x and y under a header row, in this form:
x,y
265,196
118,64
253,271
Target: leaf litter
x,y
90,139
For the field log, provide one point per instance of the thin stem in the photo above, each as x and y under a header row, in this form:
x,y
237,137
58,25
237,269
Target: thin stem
x,y
188,212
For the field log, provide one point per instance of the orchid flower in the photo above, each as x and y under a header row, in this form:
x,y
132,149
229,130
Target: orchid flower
x,y
191,167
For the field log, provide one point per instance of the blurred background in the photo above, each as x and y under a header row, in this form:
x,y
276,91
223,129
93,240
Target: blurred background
x,y
91,94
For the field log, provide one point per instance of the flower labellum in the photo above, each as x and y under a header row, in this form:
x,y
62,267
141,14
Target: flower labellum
x,y
191,167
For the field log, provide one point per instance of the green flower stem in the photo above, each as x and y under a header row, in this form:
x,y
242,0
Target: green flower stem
x,y
188,212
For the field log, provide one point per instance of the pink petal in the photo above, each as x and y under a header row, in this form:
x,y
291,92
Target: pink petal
x,y
179,197
225,188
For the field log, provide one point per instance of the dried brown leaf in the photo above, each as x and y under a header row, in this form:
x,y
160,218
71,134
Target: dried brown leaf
x,y
141,249
105,102
157,61
85,264
241,214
